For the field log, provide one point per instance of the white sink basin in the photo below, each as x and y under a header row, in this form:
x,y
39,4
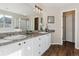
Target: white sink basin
x,y
14,37
42,32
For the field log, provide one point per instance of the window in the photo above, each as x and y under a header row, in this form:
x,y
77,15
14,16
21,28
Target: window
x,y
1,21
5,21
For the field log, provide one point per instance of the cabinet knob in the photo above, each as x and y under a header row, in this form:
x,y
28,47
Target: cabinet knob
x,y
39,39
24,42
19,44
39,52
39,45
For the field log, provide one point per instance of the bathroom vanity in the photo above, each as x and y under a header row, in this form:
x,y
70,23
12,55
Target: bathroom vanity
x,y
33,45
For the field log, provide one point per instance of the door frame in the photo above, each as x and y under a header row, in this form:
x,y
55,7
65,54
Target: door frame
x,y
69,13
34,23
75,25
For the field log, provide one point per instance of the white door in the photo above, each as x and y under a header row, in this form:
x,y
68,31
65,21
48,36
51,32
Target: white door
x,y
69,28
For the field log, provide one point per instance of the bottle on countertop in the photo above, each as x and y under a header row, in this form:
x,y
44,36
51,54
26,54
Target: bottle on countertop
x,y
46,29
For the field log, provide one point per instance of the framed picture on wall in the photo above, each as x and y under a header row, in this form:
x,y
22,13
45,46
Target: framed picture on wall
x,y
51,19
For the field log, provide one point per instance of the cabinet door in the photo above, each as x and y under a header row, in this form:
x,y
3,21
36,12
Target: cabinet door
x,y
36,47
27,49
11,49
48,40
43,44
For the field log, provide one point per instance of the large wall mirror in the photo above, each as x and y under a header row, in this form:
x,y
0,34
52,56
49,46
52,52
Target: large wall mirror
x,y
1,21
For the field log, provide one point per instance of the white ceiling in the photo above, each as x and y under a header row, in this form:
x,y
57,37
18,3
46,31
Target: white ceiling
x,y
27,8
59,4
54,5
20,8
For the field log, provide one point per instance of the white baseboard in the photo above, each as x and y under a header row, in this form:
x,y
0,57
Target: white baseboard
x,y
76,47
56,43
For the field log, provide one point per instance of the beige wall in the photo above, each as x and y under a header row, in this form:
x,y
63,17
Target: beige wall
x,y
57,12
57,36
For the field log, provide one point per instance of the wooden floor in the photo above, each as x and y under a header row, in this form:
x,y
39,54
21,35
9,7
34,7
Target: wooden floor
x,y
67,49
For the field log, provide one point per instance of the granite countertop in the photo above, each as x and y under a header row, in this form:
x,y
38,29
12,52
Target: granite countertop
x,y
31,35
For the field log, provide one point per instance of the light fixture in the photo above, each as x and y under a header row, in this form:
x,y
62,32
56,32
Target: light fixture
x,y
37,9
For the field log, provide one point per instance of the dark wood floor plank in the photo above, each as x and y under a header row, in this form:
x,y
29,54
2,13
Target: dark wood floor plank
x,y
67,49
